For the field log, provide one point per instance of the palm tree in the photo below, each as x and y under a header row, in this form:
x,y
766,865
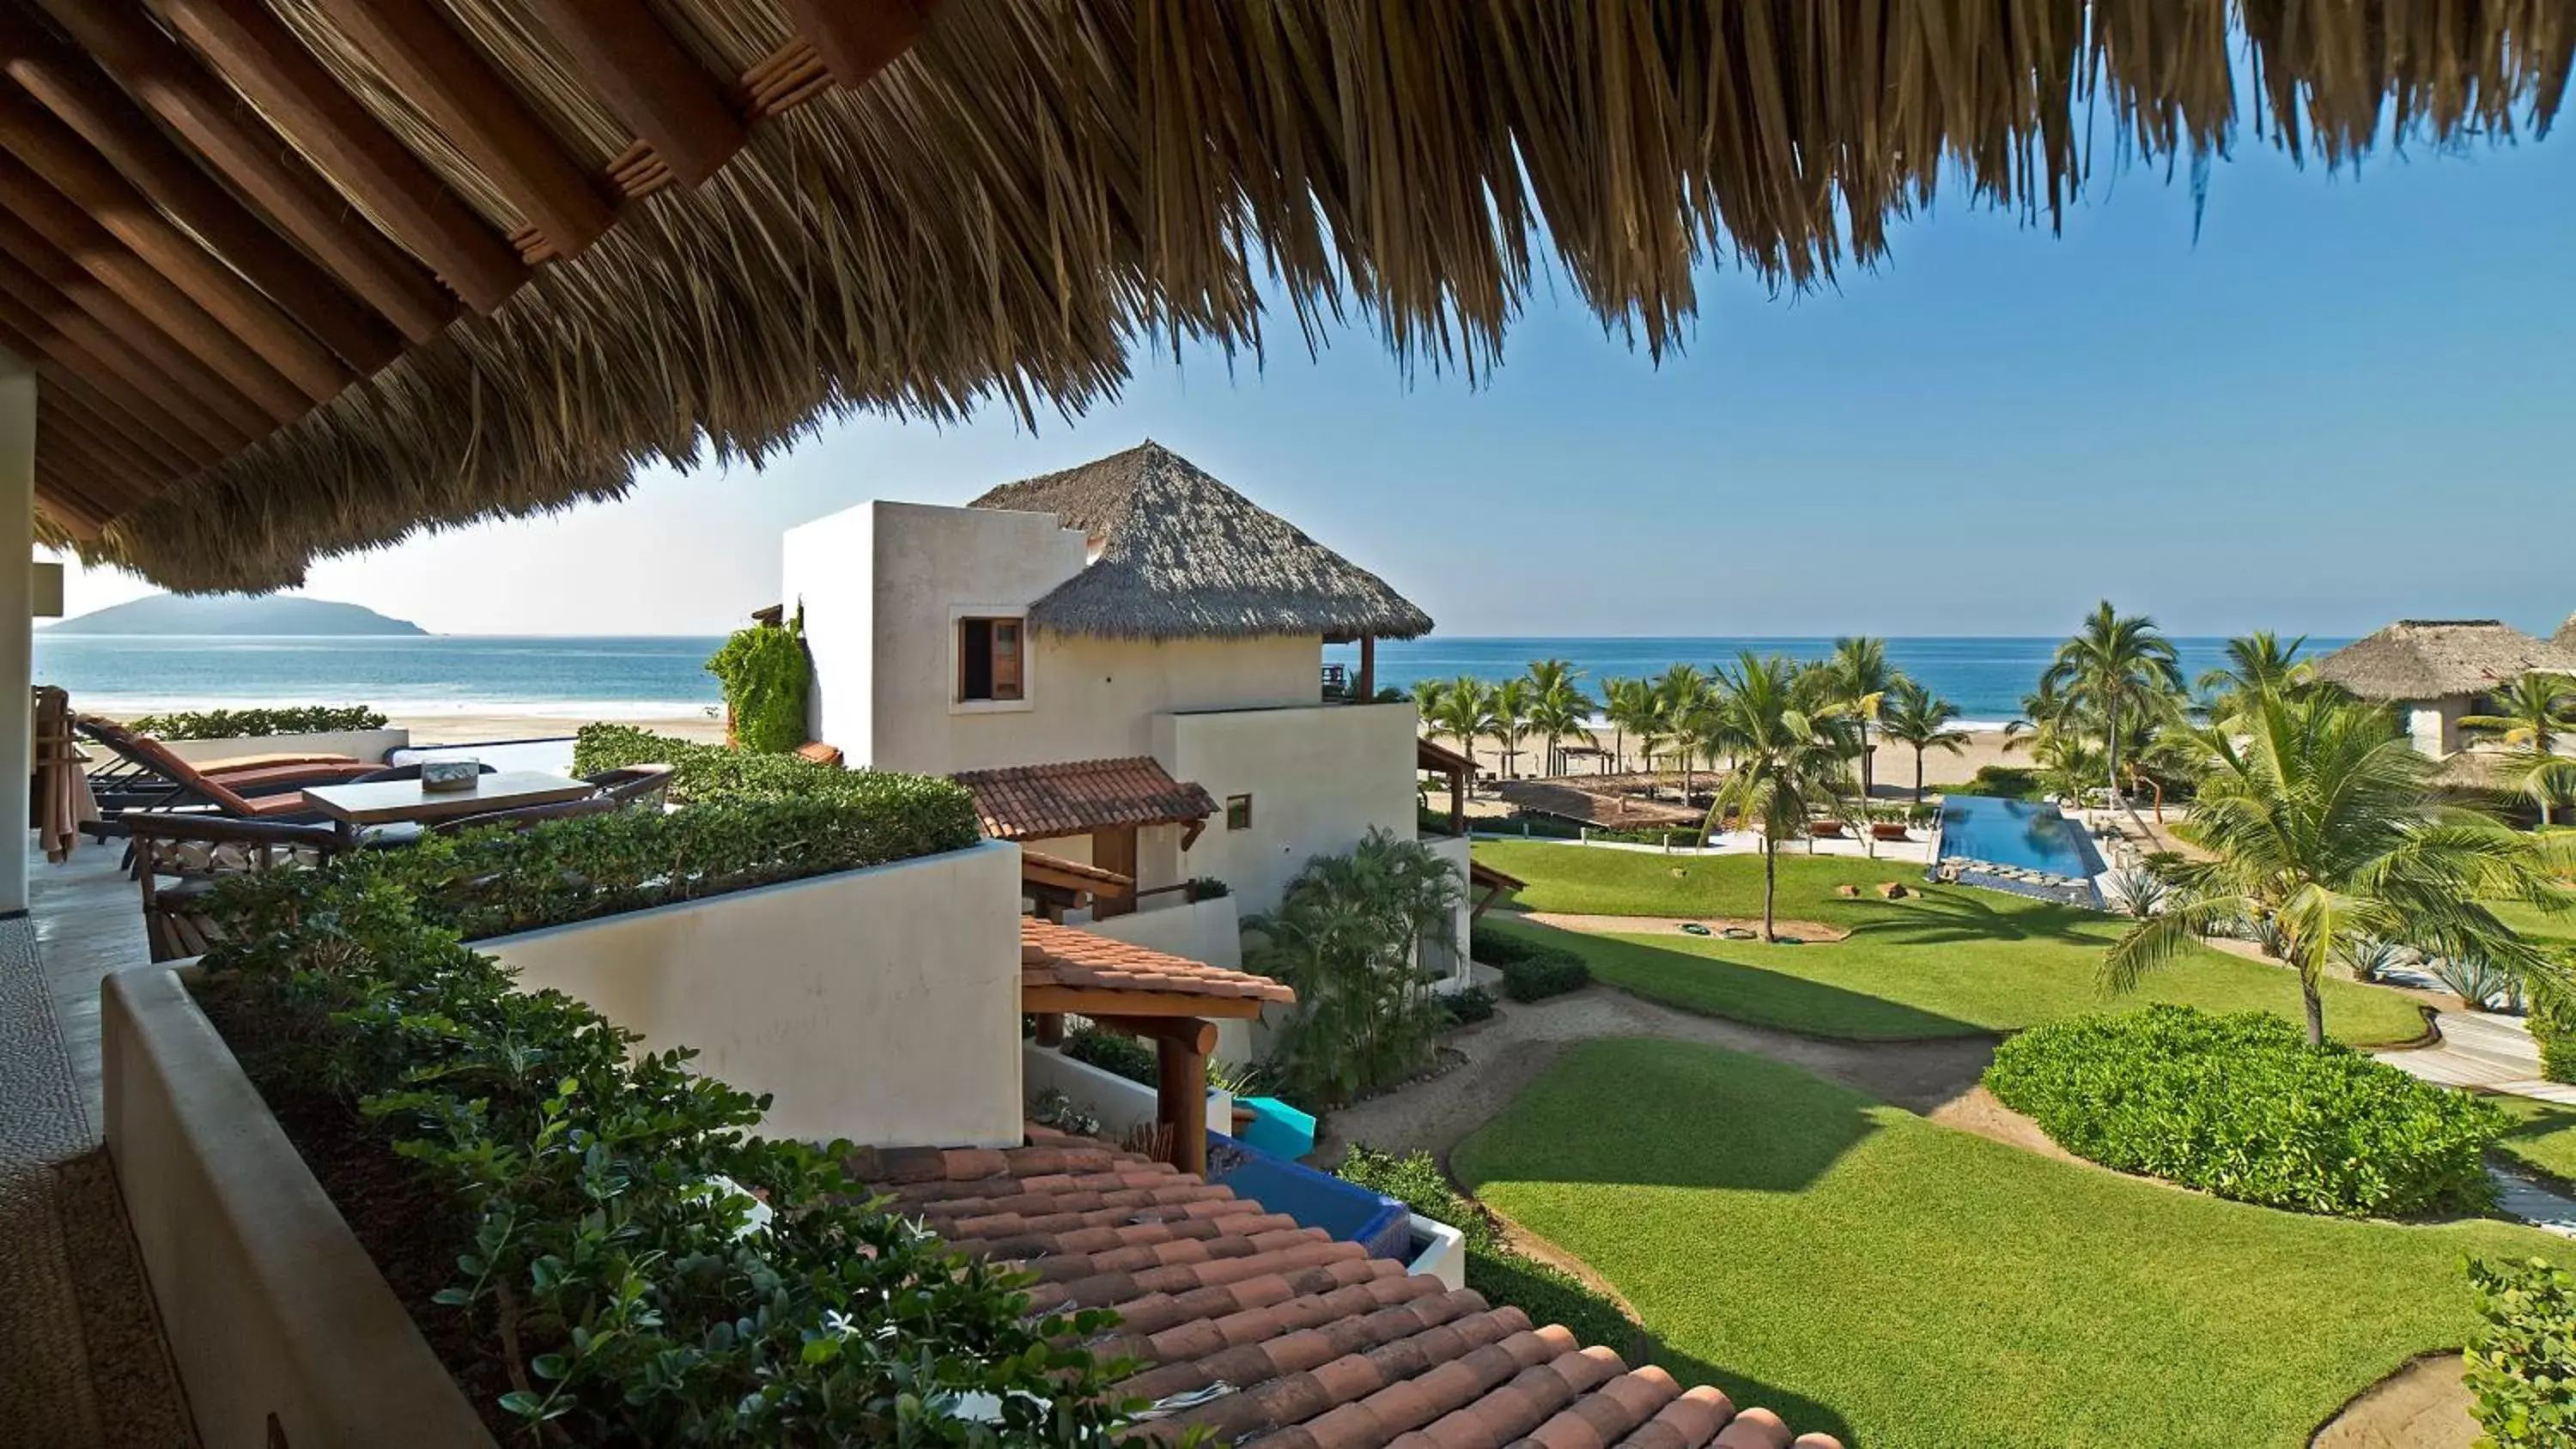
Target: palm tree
x,y
1681,695
1427,694
1464,711
1915,716
2257,663
1788,761
1510,702
1630,706
2115,663
1856,678
2323,829
2532,716
1558,707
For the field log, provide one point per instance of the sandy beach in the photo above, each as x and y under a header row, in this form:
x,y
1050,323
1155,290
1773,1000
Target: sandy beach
x,y
1892,765
476,729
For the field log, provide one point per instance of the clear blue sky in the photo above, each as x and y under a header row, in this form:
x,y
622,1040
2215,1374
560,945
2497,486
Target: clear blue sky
x,y
2353,398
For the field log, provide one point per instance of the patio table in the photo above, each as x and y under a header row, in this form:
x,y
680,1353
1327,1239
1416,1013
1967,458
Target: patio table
x,y
387,802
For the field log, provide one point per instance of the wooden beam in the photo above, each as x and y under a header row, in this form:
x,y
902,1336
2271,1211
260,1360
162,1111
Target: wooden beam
x,y
858,38
143,476
1050,1029
252,49
419,51
91,105
105,483
68,228
111,416
1364,691
62,332
1180,1100
53,371
649,81
58,154
1096,1003
28,252
66,501
168,81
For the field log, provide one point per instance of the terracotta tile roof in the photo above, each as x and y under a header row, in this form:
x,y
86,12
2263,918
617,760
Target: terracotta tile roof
x,y
1258,1329
1039,802
1053,955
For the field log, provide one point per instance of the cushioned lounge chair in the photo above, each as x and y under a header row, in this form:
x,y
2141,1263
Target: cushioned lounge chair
x,y
637,785
149,777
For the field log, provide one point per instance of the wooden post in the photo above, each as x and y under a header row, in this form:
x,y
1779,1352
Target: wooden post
x,y
1050,1028
1365,691
1457,802
1180,1100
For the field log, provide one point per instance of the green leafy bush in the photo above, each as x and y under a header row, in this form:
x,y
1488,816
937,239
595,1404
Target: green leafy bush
x,y
708,772
2010,782
2554,1028
2242,1107
1112,1052
227,724
493,882
766,674
1532,970
1547,1293
629,1261
1469,1006
2522,1358
1209,888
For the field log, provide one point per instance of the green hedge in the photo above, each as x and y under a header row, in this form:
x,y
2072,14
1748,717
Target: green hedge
x,y
1547,1293
227,724
2555,1032
706,772
1532,970
2010,782
2522,1358
766,676
1469,1005
1113,1052
2242,1107
493,882
630,1265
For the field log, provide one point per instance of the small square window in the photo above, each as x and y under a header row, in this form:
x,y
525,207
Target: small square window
x,y
988,659
1238,812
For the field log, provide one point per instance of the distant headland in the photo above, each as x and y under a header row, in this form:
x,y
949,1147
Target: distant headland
x,y
224,615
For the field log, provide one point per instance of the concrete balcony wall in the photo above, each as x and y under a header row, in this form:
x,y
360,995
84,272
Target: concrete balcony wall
x,y
371,746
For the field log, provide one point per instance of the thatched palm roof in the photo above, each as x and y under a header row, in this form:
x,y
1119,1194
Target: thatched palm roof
x,y
302,276
1178,555
2565,638
2439,658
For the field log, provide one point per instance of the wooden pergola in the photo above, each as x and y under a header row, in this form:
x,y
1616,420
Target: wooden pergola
x,y
1168,1000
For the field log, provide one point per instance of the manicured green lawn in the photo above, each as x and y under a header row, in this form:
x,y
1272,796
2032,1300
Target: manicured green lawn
x,y
1911,1287
1946,961
2543,1137
2555,927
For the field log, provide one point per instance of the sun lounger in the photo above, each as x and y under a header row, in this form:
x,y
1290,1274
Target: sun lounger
x,y
179,858
1825,829
1887,830
148,776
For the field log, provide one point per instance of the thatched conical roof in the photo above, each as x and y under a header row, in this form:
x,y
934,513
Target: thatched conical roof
x,y
302,277
2565,638
2440,658
1178,555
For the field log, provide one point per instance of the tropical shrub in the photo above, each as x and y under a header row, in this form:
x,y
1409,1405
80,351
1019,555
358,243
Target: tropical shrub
x,y
1346,938
2137,891
2553,1026
1469,1006
1547,1293
628,1259
1112,1052
493,882
706,772
2241,1106
1209,888
1532,970
229,724
766,675
2480,984
2522,1357
2009,782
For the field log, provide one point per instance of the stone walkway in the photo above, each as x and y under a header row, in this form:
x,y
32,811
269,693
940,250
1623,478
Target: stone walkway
x,y
2489,1053
81,1358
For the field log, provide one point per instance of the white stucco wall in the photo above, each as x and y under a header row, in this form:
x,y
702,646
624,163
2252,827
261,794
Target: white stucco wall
x,y
2434,724
1453,849
1121,1105
371,746
900,575
879,1005
1319,776
823,571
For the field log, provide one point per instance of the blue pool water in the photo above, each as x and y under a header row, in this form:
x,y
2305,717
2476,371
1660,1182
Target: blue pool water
x,y
2013,832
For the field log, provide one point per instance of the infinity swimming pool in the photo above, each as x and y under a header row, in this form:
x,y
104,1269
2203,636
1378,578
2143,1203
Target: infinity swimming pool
x,y
2015,832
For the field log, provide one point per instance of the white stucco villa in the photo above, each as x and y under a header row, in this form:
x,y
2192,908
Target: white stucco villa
x,y
1125,661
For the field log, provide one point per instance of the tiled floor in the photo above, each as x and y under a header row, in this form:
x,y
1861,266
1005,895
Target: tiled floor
x,y
81,1359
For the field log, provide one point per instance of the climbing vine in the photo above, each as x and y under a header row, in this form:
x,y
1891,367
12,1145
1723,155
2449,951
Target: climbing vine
x,y
765,672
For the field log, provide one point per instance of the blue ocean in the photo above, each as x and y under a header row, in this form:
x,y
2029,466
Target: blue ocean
x,y
633,678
